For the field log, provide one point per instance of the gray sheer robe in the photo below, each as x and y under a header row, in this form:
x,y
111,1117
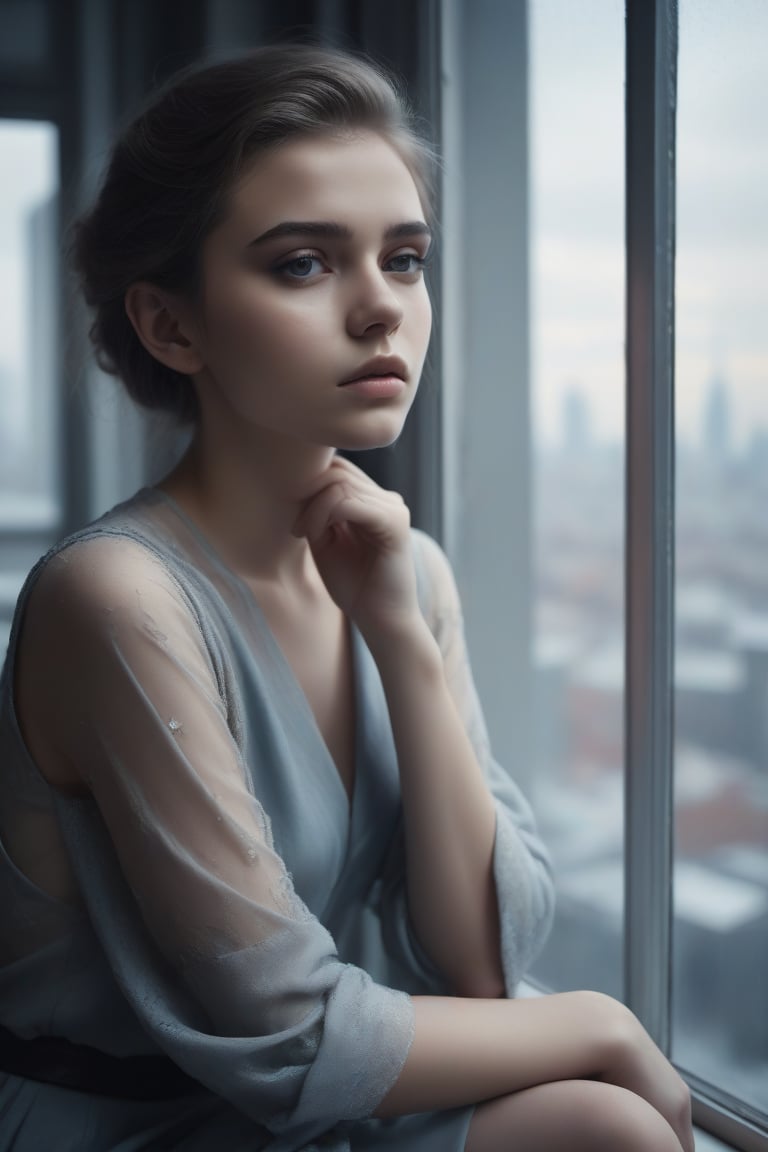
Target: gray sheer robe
x,y
214,894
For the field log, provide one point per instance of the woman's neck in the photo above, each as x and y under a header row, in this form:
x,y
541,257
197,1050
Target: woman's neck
x,y
246,500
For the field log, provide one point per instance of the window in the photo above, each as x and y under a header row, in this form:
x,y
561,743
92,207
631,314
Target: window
x,y
639,672
720,992
29,433
576,55
28,269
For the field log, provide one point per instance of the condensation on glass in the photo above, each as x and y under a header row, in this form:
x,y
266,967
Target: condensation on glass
x,y
720,990
578,274
29,353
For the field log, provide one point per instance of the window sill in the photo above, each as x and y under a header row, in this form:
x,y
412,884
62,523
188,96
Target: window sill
x,y
707,1143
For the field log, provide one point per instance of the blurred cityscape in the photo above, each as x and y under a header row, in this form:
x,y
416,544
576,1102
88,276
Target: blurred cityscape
x,y
28,402
720,991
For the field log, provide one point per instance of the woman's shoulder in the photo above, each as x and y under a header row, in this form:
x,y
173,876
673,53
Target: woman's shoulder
x,y
110,572
116,554
101,571
108,560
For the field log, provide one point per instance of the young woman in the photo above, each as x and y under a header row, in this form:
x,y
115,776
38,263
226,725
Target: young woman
x,y
262,884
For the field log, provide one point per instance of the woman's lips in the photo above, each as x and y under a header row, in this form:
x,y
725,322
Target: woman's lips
x,y
376,387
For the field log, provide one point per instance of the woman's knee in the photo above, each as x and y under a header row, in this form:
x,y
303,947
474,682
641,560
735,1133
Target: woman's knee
x,y
570,1116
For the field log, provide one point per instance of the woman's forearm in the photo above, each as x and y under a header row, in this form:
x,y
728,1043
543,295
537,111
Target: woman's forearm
x,y
449,819
468,1050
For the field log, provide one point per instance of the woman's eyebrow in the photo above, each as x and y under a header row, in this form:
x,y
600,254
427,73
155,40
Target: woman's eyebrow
x,y
409,228
328,229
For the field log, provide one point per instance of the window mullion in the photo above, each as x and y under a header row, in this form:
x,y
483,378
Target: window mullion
x,y
650,231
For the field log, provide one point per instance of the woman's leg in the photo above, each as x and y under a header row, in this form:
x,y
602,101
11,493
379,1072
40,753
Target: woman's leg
x,y
570,1116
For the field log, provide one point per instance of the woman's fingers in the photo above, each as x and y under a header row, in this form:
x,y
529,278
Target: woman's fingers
x,y
340,470
360,538
381,514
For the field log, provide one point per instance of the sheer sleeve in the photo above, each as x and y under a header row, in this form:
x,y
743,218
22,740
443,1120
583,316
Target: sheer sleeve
x,y
521,863
226,968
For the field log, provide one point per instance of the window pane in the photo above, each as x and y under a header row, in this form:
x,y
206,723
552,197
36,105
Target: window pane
x,y
578,269
28,342
720,991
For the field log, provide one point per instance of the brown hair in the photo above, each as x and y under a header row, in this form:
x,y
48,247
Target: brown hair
x,y
167,182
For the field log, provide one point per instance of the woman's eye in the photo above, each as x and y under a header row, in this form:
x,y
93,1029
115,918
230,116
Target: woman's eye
x,y
301,267
406,262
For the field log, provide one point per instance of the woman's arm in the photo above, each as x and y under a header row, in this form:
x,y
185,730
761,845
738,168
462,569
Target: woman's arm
x,y
453,823
449,817
223,965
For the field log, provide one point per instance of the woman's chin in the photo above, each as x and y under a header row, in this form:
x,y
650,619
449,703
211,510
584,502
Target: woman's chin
x,y
366,443
379,432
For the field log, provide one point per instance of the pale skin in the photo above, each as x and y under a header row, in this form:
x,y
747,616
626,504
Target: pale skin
x,y
284,321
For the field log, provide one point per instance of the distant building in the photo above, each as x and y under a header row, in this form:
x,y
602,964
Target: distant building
x,y
710,686
716,422
596,710
576,421
7,421
37,469
751,638
757,451
705,614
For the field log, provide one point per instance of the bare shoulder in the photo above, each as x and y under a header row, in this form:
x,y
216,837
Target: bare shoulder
x,y
80,595
93,575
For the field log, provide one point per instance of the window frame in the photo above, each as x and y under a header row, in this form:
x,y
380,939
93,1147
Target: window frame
x,y
651,79
40,95
651,105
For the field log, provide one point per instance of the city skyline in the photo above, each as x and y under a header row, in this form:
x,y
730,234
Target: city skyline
x,y
577,210
711,427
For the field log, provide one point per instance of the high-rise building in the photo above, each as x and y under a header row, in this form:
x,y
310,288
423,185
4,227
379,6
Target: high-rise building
x,y
576,421
716,421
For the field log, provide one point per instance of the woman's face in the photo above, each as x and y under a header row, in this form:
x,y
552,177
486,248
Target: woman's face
x,y
314,280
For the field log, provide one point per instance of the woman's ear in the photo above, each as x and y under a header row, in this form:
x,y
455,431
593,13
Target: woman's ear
x,y
164,328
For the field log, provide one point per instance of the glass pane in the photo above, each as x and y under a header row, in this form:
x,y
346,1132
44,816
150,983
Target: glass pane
x,y
28,305
578,269
720,992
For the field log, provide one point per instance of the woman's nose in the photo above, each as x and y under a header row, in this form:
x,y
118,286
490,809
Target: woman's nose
x,y
373,303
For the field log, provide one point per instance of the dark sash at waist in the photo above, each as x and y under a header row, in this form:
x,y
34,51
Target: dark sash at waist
x,y
54,1060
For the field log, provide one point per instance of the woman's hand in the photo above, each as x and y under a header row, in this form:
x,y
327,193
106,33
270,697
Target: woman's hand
x,y
360,539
